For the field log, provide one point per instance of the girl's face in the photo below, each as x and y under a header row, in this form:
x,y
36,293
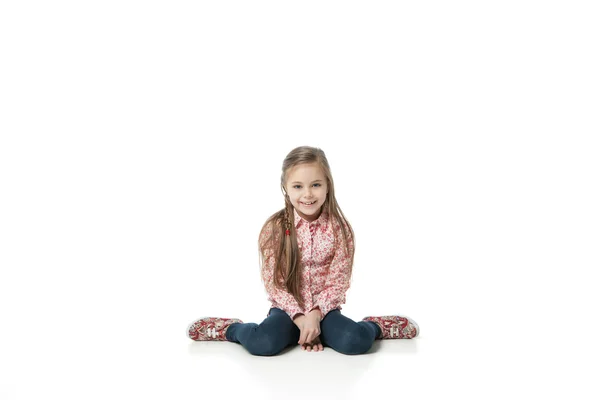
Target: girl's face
x,y
306,183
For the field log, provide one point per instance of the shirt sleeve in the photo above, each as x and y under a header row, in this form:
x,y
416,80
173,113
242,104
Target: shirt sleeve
x,y
338,279
283,298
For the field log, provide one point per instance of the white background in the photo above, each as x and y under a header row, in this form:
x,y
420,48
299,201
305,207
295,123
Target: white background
x,y
140,153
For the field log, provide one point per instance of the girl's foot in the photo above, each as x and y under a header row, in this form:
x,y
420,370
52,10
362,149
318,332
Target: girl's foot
x,y
210,328
395,327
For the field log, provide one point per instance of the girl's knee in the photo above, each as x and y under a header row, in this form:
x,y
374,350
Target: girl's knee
x,y
355,340
266,345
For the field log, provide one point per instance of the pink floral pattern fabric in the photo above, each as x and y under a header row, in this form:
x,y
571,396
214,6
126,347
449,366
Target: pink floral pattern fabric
x,y
325,267
395,327
211,328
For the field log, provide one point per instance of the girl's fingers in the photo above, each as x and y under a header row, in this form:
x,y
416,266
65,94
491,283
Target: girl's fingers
x,y
314,337
313,345
302,338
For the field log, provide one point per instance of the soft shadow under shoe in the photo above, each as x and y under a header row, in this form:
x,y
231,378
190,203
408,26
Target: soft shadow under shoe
x,y
395,327
210,328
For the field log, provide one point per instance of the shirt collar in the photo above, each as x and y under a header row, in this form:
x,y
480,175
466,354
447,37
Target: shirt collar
x,y
321,221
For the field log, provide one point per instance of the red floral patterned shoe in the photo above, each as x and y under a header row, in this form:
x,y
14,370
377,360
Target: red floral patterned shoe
x,y
210,328
395,327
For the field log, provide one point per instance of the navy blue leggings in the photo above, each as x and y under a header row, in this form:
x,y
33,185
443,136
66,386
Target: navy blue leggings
x,y
278,331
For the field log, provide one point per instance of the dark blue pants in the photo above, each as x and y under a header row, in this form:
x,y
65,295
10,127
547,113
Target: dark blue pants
x,y
278,331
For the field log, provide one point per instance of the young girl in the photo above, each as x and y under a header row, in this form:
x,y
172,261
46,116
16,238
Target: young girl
x,y
307,253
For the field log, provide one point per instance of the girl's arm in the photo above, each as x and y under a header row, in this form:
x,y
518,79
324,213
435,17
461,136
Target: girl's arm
x,y
338,280
285,299
282,297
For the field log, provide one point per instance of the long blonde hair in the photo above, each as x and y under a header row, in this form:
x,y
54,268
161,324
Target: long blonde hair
x,y
274,243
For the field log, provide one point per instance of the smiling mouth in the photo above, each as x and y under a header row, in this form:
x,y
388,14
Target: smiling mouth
x,y
308,204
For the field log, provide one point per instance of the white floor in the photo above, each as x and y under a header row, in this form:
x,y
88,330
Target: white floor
x,y
147,358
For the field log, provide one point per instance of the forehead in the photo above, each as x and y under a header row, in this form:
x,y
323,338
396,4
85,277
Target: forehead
x,y
305,173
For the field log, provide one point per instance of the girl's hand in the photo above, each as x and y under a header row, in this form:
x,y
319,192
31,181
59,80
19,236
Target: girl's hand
x,y
316,345
309,325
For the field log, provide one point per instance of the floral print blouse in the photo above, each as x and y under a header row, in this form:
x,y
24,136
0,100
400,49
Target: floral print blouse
x,y
325,267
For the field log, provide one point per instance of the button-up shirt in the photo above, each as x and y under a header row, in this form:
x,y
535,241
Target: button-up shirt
x,y
325,267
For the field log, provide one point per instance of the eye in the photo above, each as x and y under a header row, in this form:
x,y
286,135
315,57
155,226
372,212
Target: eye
x,y
296,186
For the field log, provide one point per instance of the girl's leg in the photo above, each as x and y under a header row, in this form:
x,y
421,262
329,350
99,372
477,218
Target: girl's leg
x,y
346,336
274,334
